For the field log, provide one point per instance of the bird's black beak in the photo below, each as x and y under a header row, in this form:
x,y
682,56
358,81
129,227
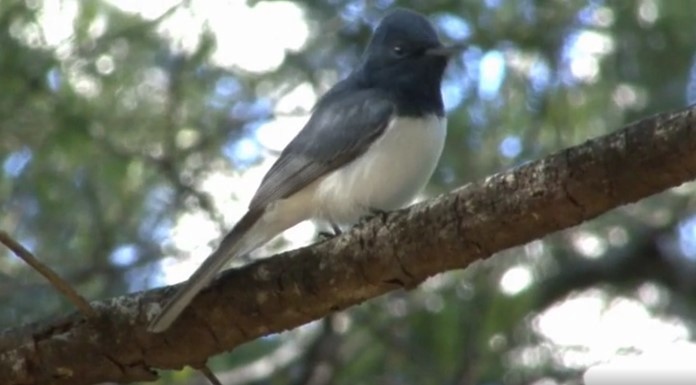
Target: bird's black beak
x,y
445,50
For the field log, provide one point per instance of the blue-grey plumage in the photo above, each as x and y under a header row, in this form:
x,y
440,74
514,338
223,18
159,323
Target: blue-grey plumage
x,y
372,143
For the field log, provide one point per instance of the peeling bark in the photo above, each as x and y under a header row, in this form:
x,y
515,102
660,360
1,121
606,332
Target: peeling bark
x,y
399,250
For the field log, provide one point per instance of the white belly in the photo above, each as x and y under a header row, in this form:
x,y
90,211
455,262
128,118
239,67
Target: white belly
x,y
388,176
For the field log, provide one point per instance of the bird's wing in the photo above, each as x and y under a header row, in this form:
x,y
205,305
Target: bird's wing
x,y
342,127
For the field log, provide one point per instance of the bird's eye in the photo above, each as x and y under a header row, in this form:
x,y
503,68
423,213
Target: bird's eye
x,y
398,51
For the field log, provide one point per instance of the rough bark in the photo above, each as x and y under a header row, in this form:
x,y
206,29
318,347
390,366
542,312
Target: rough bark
x,y
396,251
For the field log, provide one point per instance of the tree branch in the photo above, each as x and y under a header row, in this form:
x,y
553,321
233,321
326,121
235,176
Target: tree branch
x,y
51,276
399,250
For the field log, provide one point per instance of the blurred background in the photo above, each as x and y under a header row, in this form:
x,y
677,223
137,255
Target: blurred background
x,y
133,133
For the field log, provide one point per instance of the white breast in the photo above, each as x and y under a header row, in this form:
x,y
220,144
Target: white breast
x,y
388,176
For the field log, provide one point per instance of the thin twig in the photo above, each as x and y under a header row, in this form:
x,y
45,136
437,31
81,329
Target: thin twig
x,y
55,280
209,375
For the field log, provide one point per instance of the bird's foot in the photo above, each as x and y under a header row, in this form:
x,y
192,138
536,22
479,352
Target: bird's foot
x,y
335,231
382,214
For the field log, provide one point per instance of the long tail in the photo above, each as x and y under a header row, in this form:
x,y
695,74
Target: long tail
x,y
235,244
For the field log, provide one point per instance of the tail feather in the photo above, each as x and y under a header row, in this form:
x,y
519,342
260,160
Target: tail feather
x,y
235,244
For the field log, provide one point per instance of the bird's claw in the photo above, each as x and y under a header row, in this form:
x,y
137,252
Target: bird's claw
x,y
335,231
382,214
326,235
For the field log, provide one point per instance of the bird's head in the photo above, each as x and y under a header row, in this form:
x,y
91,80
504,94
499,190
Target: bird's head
x,y
405,51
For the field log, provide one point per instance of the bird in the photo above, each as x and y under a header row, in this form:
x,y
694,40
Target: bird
x,y
371,144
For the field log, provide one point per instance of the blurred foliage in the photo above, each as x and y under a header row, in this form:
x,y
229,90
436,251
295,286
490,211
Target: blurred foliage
x,y
108,132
